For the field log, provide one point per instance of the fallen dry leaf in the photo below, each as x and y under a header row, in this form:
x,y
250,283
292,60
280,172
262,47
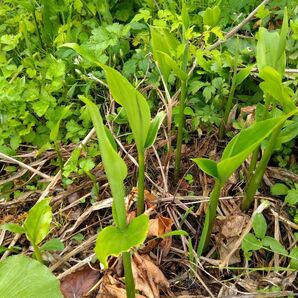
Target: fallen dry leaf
x,y
233,225
112,288
148,277
159,226
78,283
225,248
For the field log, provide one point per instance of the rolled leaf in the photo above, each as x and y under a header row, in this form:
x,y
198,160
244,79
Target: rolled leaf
x,y
38,222
154,127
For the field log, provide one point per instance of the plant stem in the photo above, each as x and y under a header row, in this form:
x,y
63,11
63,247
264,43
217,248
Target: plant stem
x,y
181,117
254,159
141,178
129,281
59,155
210,217
180,132
231,95
228,109
255,181
120,219
37,253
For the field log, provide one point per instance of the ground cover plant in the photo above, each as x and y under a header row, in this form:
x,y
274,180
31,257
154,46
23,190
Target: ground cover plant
x,y
148,148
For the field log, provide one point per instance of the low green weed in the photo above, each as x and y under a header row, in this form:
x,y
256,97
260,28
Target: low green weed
x,y
36,228
259,240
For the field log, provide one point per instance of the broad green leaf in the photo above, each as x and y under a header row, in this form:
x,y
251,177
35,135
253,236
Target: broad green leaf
x,y
273,85
134,103
279,189
211,16
163,41
12,227
243,74
259,225
292,197
294,258
274,245
83,52
52,244
267,51
154,127
27,278
243,144
250,242
55,130
37,225
207,165
288,133
114,165
112,241
182,75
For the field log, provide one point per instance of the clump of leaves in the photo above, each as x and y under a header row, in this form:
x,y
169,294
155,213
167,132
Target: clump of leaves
x,y
36,228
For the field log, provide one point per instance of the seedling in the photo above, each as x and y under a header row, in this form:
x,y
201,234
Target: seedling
x,y
233,156
118,239
259,240
144,128
164,44
36,228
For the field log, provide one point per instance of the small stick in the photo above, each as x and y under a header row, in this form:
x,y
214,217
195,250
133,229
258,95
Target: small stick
x,y
21,164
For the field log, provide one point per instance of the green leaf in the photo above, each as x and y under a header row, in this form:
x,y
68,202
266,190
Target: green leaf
x,y
185,16
279,189
114,165
83,52
243,144
207,165
52,244
182,75
38,222
274,245
154,127
243,74
211,16
273,85
294,258
292,197
55,130
12,227
267,51
259,225
134,103
163,41
174,233
250,242
112,241
27,278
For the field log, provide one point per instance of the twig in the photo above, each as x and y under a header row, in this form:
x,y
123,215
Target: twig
x,y
234,30
21,164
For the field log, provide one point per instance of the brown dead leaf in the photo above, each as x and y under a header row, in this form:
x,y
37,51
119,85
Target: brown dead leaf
x,y
233,225
112,288
159,226
148,276
225,249
78,283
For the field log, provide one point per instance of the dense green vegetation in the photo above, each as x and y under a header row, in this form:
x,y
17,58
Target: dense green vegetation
x,y
165,79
